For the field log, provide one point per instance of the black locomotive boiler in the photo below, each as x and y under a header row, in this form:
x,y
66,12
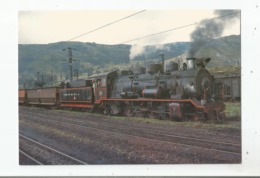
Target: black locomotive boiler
x,y
175,93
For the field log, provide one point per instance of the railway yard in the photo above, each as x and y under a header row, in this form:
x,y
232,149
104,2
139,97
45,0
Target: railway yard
x,y
59,137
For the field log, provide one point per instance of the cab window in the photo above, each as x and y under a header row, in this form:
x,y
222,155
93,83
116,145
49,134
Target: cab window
x,y
103,82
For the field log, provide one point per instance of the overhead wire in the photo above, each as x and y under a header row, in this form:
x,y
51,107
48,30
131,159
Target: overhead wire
x,y
105,25
176,28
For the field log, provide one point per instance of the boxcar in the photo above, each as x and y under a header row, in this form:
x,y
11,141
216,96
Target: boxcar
x,y
22,96
43,96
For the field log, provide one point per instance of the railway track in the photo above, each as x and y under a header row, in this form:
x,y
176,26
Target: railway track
x,y
30,158
136,126
184,141
42,154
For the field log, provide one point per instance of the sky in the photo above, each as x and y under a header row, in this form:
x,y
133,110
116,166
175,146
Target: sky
x,y
42,27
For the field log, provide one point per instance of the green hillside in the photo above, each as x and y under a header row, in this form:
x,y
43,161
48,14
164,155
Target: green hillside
x,y
51,62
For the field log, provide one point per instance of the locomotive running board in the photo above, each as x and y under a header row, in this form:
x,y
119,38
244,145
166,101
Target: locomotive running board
x,y
86,105
193,102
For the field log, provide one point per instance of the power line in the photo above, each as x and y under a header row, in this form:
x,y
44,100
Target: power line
x,y
177,28
70,49
106,25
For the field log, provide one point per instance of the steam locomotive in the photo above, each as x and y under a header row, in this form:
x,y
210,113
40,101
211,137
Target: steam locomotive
x,y
174,93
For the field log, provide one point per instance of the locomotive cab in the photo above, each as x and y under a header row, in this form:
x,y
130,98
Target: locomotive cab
x,y
103,85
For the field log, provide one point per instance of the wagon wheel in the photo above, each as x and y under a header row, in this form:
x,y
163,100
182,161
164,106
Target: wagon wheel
x,y
214,116
139,113
128,112
68,108
107,111
203,117
163,116
152,114
89,110
222,116
53,107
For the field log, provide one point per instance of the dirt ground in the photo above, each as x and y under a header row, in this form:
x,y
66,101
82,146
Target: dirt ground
x,y
98,139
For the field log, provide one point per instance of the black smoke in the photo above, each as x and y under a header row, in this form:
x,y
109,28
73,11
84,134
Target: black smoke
x,y
210,29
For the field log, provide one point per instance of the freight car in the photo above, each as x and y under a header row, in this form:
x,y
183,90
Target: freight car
x,y
173,93
22,96
43,96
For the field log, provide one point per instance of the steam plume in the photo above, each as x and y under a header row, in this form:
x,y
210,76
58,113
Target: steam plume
x,y
210,29
144,50
136,51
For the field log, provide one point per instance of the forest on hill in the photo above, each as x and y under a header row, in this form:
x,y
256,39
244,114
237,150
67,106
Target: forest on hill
x,y
49,62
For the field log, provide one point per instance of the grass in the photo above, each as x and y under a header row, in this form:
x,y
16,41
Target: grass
x,y
232,112
194,124
232,109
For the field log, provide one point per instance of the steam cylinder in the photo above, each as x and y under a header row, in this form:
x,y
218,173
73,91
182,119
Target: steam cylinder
x,y
152,93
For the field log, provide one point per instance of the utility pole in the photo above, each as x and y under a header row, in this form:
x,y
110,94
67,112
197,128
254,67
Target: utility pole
x,y
70,60
76,73
162,55
51,78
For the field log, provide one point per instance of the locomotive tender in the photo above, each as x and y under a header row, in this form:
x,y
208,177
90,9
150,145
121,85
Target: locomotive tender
x,y
172,93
